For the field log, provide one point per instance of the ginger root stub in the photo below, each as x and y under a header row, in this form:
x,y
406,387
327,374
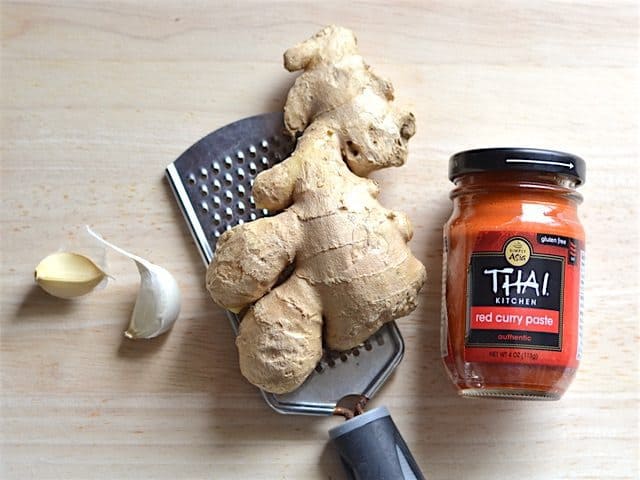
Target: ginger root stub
x,y
353,269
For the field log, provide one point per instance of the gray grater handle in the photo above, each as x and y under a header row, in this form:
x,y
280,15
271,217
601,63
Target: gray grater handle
x,y
371,448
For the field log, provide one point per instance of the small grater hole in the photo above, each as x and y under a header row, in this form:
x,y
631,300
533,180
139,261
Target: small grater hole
x,y
253,216
343,357
251,182
216,219
252,150
252,201
229,214
205,207
228,227
192,179
215,166
228,179
204,173
228,162
265,211
241,207
253,168
216,234
241,222
265,145
216,201
241,191
204,191
216,185
367,345
355,351
240,156
228,196
240,173
264,161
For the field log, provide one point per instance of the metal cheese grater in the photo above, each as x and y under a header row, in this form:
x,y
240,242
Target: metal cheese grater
x,y
212,183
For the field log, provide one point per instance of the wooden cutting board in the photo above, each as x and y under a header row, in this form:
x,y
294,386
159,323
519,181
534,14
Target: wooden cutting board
x,y
98,97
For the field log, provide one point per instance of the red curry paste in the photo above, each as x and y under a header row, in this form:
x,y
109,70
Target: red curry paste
x,y
513,273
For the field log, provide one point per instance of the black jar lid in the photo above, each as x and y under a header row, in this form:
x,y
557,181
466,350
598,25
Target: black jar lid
x,y
522,159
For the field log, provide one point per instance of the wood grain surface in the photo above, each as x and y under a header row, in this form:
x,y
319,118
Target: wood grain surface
x,y
98,97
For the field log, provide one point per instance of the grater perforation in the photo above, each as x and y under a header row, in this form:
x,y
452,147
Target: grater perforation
x,y
212,183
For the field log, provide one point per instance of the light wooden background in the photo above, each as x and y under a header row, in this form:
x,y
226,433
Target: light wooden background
x,y
98,97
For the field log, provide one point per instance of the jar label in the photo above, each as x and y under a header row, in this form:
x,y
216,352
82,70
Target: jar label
x,y
523,298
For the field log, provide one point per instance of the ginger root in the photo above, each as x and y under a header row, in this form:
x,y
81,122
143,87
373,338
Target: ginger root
x,y
353,270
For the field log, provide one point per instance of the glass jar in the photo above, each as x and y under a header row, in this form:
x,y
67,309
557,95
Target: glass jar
x,y
513,273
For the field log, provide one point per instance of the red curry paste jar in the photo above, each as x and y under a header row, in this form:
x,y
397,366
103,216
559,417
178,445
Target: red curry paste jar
x,y
513,273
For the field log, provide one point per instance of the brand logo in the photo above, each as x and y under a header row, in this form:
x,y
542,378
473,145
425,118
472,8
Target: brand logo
x,y
517,252
523,285
522,282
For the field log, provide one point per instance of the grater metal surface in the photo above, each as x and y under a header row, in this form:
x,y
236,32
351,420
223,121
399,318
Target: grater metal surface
x,y
212,183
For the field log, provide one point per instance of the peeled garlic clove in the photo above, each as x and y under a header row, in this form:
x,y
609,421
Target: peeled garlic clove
x,y
68,275
158,303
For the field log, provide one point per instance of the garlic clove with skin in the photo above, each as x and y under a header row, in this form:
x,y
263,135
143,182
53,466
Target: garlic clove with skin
x,y
68,275
158,303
